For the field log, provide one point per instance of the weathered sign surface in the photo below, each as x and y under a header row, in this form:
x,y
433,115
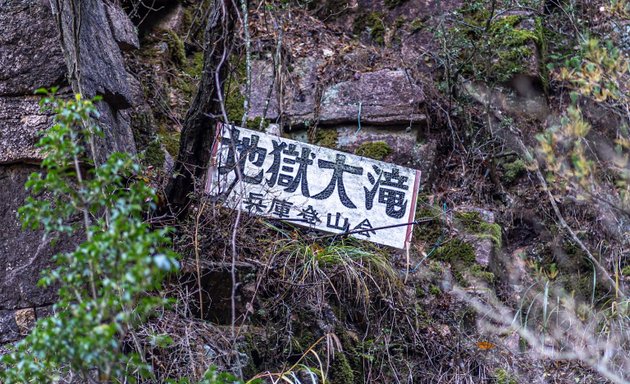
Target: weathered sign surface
x,y
313,186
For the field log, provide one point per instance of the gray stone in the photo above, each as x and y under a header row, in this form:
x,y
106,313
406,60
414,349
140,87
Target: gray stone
x,y
20,122
301,99
9,330
23,254
386,97
102,72
125,33
262,87
30,54
401,143
299,102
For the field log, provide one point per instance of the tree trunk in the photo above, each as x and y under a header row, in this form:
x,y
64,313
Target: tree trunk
x,y
199,125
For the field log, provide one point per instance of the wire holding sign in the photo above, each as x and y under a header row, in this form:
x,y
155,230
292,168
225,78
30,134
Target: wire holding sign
x,y
313,186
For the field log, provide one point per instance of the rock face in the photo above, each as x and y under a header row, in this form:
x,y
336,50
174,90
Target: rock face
x,y
101,69
29,44
125,33
31,57
23,255
384,97
20,122
299,102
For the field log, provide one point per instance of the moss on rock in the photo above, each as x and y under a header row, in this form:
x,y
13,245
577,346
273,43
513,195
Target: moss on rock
x,y
512,171
429,231
457,252
479,272
176,50
473,223
257,123
376,150
153,155
340,370
374,23
327,138
170,140
510,46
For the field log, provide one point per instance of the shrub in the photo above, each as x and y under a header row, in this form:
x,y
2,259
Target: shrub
x,y
104,283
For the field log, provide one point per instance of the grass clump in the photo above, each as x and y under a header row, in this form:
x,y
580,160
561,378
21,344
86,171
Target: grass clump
x,y
504,377
376,150
343,267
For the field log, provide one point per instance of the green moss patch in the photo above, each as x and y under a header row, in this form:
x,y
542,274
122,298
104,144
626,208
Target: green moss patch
x,y
170,140
496,52
376,150
327,138
474,224
373,23
430,231
257,123
512,171
153,155
456,252
176,51
340,370
481,273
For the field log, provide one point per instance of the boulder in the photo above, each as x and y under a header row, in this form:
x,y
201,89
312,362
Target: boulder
x,y
102,72
20,122
385,97
30,53
9,330
299,101
23,254
125,33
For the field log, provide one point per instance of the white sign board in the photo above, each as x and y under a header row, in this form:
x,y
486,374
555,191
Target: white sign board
x,y
313,186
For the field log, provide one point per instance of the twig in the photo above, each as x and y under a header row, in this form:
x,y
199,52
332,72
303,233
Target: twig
x,y
607,278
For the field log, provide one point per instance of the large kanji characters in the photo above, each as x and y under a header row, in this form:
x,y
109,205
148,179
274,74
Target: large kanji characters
x,y
313,186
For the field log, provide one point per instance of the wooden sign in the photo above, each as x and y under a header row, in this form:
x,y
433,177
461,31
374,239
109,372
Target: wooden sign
x,y
313,186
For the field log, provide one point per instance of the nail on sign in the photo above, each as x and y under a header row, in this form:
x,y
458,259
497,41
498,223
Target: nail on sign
x,y
313,186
